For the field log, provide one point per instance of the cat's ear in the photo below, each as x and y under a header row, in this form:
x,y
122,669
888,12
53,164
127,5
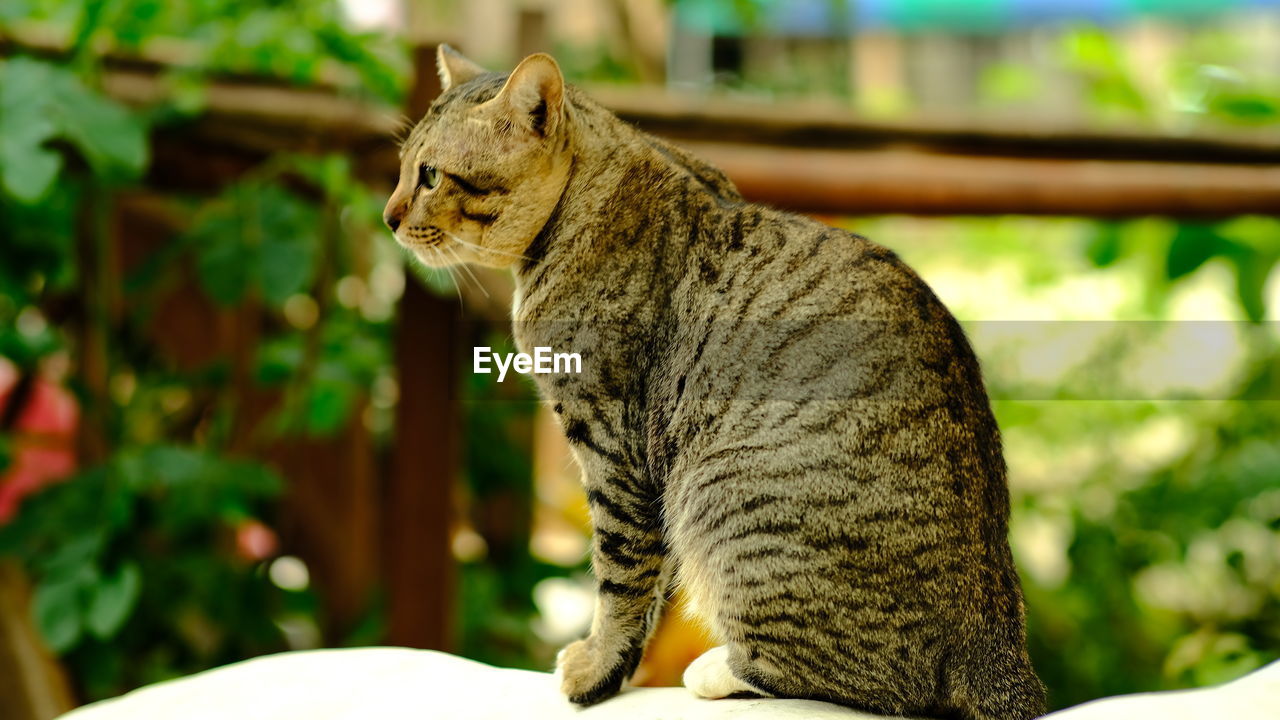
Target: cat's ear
x,y
534,95
454,69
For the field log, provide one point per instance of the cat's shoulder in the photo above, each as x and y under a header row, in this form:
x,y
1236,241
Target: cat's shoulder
x,y
798,233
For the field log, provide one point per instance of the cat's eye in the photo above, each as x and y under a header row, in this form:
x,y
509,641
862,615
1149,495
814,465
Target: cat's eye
x,y
429,177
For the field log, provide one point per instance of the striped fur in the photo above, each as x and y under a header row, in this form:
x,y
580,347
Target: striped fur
x,y
777,415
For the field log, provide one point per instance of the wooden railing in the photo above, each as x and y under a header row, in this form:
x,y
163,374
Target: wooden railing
x,y
361,528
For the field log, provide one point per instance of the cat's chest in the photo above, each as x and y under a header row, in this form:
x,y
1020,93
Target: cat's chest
x,y
542,331
565,317
559,330
602,382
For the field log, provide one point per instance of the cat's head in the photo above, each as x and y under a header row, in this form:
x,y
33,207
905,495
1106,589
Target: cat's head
x,y
482,172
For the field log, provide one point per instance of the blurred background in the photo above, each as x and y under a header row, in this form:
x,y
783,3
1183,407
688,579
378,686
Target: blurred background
x,y
234,420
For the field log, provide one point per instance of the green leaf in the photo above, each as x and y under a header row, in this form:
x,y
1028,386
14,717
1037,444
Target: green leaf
x,y
72,557
328,407
329,173
112,139
1104,246
131,22
112,600
56,611
29,171
279,358
39,102
287,250
14,10
256,235
172,465
1092,49
287,265
257,479
1192,245
1245,107
1252,270
1099,57
222,258
1008,82
38,242
159,467
27,168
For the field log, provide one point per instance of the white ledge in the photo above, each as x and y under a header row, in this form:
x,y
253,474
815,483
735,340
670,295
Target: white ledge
x,y
397,683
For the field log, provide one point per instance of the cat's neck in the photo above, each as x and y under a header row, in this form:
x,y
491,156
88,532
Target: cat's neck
x,y
594,218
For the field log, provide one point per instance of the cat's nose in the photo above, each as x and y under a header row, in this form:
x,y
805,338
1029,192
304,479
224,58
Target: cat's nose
x,y
397,207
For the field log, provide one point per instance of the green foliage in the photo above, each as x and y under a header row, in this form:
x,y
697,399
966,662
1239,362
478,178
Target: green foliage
x,y
1007,83
325,374
255,238
1104,246
1147,530
1249,245
1100,61
1167,584
1193,245
92,543
113,600
39,240
138,573
302,42
1210,77
40,102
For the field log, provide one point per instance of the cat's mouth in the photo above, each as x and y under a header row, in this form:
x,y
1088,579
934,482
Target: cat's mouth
x,y
420,237
429,245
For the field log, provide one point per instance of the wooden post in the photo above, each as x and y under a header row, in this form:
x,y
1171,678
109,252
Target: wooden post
x,y
100,278
418,559
32,685
531,32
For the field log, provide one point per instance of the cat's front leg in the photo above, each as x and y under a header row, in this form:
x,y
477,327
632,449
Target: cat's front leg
x,y
629,560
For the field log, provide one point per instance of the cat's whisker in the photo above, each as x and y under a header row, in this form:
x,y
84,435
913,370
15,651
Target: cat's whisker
x,y
404,126
453,279
450,256
463,266
479,285
456,262
478,248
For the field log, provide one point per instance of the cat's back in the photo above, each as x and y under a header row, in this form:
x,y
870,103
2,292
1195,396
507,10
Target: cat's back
x,y
796,261
812,311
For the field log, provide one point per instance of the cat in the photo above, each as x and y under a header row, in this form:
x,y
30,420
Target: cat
x,y
777,416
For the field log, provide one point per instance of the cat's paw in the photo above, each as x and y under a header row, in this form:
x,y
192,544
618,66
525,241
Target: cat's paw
x,y
588,675
710,677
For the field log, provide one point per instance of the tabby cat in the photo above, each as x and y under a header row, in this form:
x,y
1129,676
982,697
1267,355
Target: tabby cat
x,y
774,415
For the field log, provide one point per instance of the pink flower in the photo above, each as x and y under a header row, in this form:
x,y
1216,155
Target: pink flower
x,y
42,439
